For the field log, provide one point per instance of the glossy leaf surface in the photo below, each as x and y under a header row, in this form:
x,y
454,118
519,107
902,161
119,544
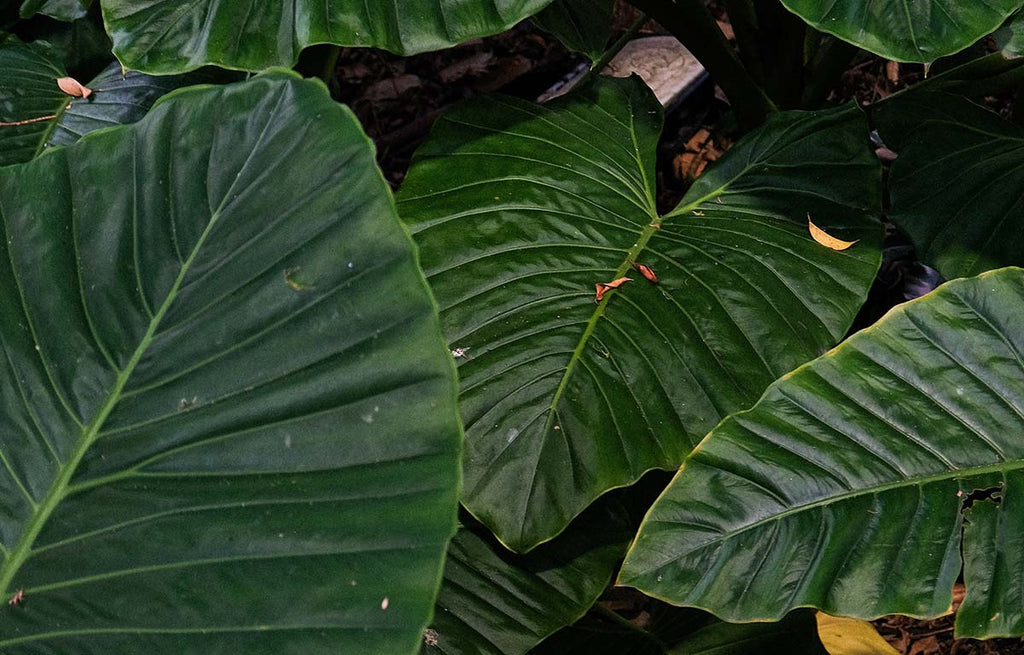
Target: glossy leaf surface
x,y
494,602
519,210
39,115
844,488
168,36
228,419
906,30
975,222
118,99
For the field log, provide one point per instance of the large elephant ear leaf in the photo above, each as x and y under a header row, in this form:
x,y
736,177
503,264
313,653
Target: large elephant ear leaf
x,y
906,30
846,487
228,418
976,224
520,210
167,36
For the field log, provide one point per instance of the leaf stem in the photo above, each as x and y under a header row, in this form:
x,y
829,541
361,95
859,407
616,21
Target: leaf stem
x,y
330,63
615,49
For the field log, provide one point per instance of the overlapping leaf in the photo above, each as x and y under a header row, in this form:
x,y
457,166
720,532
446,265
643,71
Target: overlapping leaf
x,y
957,186
493,602
519,210
845,487
36,114
168,36
228,419
118,98
906,30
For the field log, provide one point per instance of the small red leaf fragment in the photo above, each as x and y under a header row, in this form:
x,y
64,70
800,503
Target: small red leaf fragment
x,y
17,599
604,287
72,87
646,271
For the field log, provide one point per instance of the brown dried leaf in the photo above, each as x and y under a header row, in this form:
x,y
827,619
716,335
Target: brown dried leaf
x,y
825,239
646,271
604,287
72,87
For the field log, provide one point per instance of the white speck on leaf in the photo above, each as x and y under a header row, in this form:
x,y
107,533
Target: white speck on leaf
x,y
384,603
512,434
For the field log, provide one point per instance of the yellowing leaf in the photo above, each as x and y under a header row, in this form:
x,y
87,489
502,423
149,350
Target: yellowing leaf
x,y
825,239
842,636
72,87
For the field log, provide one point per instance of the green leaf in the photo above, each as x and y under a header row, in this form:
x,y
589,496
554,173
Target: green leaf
x,y
40,115
906,30
118,99
956,184
167,36
30,101
680,631
583,26
494,602
519,210
844,487
228,421
65,10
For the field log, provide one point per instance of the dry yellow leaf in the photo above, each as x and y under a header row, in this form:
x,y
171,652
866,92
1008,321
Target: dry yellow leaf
x,y
825,239
72,87
851,637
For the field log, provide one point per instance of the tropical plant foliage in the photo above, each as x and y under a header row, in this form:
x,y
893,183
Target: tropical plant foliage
x,y
248,402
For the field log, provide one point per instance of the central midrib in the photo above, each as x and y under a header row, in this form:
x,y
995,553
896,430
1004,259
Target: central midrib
x,y
627,264
23,548
631,255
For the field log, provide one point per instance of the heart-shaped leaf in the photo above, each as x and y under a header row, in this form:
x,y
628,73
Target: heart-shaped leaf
x,y
849,485
520,210
228,420
168,36
906,30
977,223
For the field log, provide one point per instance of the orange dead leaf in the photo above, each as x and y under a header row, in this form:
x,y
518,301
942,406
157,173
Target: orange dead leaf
x,y
72,87
605,287
646,271
825,239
